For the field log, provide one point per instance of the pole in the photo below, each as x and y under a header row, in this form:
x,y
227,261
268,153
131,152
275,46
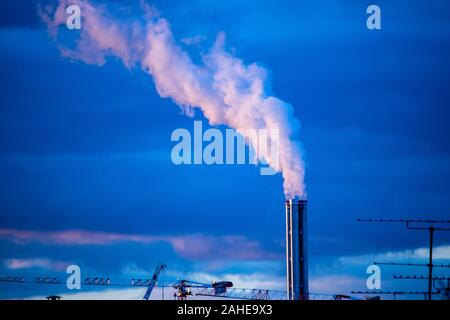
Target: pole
x,y
431,229
430,264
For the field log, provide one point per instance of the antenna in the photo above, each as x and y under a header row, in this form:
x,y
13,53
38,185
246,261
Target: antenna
x,y
412,264
442,288
431,229
394,293
414,277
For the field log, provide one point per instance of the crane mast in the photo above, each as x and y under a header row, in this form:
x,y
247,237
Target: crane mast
x,y
160,267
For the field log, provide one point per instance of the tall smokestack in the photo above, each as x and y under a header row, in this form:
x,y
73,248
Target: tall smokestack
x,y
296,250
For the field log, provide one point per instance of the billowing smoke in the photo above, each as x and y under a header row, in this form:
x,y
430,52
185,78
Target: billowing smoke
x,y
226,90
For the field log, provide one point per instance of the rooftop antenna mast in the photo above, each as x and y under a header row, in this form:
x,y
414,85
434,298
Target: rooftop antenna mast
x,y
430,227
443,288
393,293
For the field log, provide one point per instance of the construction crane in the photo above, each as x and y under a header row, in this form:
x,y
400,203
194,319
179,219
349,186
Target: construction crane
x,y
243,294
183,287
91,281
225,290
160,267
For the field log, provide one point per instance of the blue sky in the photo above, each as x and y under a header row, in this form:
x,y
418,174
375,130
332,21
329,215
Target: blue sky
x,y
88,148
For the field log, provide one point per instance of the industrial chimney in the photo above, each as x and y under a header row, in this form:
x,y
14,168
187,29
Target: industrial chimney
x,y
296,250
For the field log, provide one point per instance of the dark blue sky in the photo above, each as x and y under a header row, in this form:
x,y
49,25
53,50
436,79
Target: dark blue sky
x,y
88,148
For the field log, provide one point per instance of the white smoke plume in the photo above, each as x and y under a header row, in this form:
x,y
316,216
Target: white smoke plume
x,y
223,87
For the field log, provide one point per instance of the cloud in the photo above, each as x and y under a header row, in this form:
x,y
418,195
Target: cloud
x,y
18,264
195,246
439,253
442,252
71,237
110,294
336,284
